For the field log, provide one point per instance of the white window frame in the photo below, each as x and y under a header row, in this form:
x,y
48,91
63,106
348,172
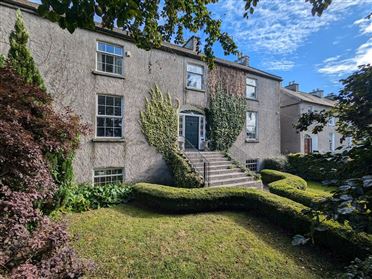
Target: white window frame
x,y
248,85
107,175
114,58
332,142
110,116
202,76
246,136
201,128
332,121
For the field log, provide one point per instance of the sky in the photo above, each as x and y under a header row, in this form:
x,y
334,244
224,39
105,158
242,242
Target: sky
x,y
283,38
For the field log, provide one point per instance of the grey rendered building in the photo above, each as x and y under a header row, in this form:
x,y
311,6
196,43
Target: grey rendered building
x,y
105,78
293,103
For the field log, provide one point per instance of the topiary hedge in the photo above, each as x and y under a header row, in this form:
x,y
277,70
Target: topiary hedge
x,y
290,186
269,176
342,240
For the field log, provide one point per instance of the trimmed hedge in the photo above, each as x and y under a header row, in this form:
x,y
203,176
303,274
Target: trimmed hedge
x,y
269,176
289,186
342,240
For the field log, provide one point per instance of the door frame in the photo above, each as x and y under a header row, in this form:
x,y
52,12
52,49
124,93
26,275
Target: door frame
x,y
201,127
308,144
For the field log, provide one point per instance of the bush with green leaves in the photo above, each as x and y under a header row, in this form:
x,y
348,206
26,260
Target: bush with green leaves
x,y
315,166
159,123
290,186
225,118
279,163
359,269
82,197
341,239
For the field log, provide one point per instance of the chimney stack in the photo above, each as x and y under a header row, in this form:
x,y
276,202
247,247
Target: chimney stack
x,y
317,92
293,86
243,59
192,43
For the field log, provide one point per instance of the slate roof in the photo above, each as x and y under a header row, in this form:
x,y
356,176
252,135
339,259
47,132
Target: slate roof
x,y
306,97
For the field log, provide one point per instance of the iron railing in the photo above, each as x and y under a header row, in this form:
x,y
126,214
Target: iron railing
x,y
198,157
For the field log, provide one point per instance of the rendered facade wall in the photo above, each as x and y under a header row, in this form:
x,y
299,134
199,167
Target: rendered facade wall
x,y
67,63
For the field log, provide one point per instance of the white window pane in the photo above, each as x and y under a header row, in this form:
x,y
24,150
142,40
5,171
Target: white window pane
x,y
194,81
251,82
110,48
250,92
101,46
195,69
119,51
251,125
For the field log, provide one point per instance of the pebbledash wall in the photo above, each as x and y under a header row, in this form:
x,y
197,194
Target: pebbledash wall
x,y
68,65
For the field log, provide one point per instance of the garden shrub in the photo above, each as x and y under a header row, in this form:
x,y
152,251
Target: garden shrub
x,y
279,163
159,122
225,118
291,187
269,176
316,167
32,246
341,239
78,198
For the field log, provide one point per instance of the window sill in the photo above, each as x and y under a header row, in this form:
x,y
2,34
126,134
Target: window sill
x,y
251,99
251,140
195,89
108,140
99,73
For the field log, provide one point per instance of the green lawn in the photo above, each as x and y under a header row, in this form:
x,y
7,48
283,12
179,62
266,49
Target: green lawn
x,y
130,242
318,188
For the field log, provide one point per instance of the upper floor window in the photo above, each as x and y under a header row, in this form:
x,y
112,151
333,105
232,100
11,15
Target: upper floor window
x,y
109,58
109,116
195,76
251,125
250,88
332,121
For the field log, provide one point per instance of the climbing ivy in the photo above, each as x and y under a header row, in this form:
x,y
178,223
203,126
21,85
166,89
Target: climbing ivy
x,y
159,123
2,60
225,118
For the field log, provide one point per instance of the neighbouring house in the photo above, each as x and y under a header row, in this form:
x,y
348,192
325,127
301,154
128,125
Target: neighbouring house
x,y
293,103
104,77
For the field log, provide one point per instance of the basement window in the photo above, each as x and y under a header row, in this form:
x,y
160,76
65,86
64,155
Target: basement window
x,y
108,176
252,164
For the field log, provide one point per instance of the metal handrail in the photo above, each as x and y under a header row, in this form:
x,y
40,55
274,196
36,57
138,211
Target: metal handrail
x,y
200,157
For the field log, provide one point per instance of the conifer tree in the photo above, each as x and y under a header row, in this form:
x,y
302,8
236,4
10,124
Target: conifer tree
x,y
20,56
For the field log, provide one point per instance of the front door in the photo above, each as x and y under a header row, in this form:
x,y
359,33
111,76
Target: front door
x,y
308,145
192,131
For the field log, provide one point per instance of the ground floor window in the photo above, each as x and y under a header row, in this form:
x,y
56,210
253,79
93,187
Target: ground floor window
x,y
108,176
252,164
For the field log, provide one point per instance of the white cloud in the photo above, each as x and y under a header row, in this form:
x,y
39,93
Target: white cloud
x,y
339,67
365,25
278,26
282,65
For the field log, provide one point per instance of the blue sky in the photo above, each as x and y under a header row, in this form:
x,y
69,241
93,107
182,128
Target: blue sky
x,y
283,38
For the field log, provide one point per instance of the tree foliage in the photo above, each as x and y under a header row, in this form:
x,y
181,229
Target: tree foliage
x,y
226,117
32,246
20,56
150,22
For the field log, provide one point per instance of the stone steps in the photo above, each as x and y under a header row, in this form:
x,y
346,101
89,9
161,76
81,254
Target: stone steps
x,y
221,172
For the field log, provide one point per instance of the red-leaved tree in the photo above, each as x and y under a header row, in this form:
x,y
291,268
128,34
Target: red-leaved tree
x,y
31,244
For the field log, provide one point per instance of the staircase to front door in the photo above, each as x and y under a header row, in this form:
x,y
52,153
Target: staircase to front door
x,y
219,171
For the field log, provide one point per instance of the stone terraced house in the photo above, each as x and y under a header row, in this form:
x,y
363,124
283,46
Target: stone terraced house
x,y
293,103
105,78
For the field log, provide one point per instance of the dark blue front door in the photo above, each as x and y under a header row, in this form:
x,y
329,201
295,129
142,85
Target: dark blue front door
x,y
192,131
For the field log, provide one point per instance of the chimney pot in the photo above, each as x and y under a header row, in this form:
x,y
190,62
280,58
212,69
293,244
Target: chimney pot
x,y
293,86
192,43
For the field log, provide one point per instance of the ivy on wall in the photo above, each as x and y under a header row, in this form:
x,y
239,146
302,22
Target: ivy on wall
x,y
159,123
225,118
